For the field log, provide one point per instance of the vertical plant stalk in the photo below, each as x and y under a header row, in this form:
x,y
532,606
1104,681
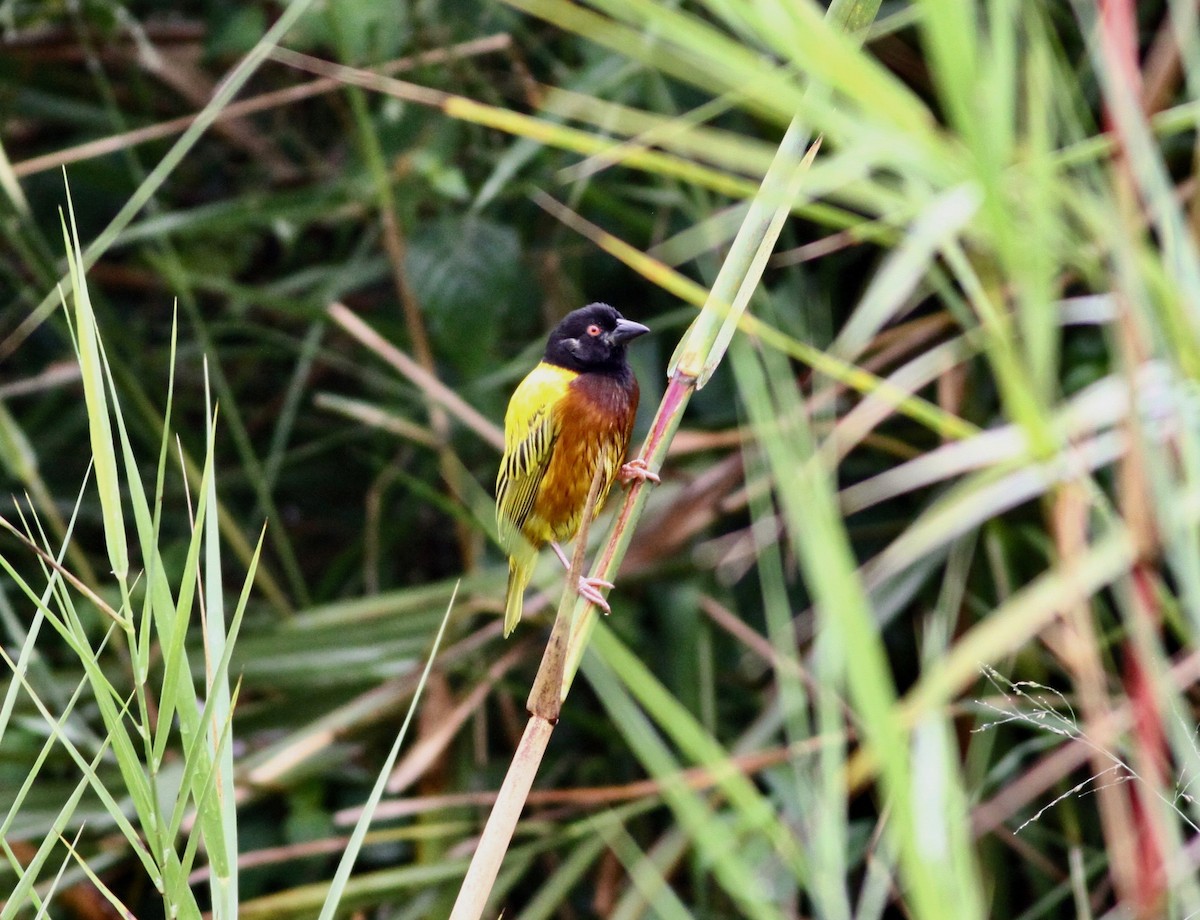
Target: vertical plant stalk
x,y
699,353
1135,839
544,705
493,844
545,698
666,422
1079,648
560,660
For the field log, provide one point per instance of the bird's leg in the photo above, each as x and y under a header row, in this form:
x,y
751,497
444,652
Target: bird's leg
x,y
636,470
588,588
562,557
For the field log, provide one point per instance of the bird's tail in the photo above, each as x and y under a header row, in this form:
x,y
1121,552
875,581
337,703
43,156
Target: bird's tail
x,y
519,572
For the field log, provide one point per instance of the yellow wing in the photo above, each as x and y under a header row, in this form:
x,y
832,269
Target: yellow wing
x,y
530,429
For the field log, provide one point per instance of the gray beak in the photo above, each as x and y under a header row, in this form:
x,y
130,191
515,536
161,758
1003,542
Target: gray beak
x,y
627,329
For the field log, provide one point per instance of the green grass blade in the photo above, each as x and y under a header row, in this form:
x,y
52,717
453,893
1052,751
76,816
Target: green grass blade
x,y
100,429
341,878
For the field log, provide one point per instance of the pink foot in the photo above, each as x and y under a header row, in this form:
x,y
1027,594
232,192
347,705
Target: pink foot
x,y
589,590
637,471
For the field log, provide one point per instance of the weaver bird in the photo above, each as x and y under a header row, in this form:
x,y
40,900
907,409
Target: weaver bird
x,y
571,416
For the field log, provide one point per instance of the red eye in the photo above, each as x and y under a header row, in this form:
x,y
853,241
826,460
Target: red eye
x,y
593,330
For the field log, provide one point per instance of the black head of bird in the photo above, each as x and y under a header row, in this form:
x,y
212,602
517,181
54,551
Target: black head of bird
x,y
592,339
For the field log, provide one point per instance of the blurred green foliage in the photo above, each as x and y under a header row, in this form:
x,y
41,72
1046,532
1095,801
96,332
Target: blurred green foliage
x,y
1063,296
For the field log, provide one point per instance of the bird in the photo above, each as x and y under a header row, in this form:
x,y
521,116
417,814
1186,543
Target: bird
x,y
570,416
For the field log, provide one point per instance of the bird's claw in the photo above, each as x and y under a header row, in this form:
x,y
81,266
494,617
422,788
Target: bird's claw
x,y
637,471
589,590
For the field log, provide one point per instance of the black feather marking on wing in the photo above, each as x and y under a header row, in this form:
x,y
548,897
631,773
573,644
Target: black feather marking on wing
x,y
521,474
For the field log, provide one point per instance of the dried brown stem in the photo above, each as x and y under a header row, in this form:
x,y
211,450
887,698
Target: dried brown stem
x,y
260,103
433,388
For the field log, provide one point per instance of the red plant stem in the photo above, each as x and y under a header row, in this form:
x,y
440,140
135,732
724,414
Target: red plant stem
x,y
1150,753
1118,37
662,429
1142,883
654,451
